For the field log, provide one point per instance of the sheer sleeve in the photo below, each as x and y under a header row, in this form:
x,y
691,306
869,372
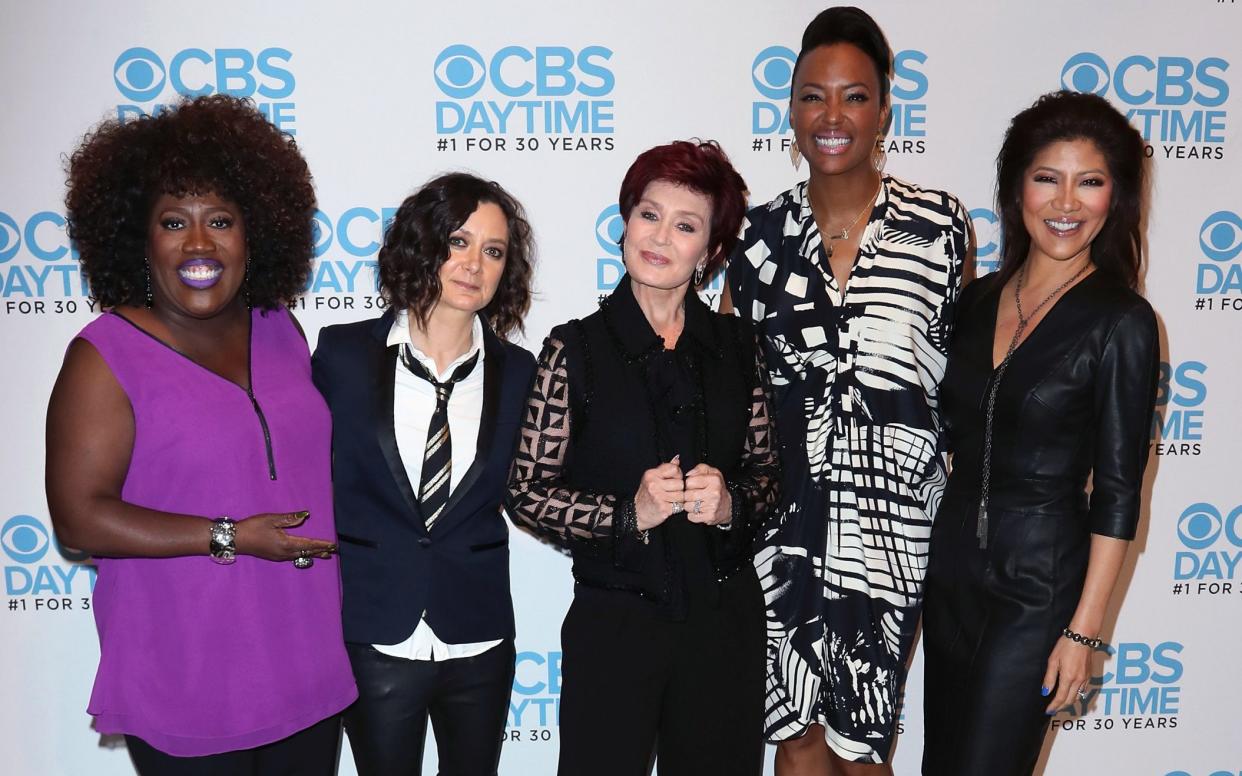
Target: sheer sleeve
x,y
538,496
755,489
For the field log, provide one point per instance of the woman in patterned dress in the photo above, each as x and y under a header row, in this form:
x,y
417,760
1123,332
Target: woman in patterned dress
x,y
850,279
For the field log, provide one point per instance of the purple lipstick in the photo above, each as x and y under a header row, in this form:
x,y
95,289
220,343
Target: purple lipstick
x,y
200,273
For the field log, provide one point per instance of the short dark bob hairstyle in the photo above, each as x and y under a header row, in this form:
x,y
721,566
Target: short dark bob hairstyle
x,y
847,24
217,145
700,166
1065,115
416,246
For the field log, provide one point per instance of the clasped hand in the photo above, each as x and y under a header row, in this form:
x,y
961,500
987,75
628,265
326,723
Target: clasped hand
x,y
701,494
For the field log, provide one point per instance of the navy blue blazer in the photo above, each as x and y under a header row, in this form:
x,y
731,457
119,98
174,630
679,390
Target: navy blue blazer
x,y
393,569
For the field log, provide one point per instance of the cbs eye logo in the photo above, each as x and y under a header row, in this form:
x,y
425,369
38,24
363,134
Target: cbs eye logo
x,y
1200,525
10,237
460,71
139,74
1086,72
772,72
24,539
322,230
1221,236
608,230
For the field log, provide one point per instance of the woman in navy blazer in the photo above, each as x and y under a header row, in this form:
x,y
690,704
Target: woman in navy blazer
x,y
426,402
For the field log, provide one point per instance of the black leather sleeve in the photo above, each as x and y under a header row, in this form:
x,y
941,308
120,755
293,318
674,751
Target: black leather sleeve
x,y
1125,394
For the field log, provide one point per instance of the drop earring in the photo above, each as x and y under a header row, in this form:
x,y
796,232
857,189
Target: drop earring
x,y
246,285
698,273
795,154
881,156
146,272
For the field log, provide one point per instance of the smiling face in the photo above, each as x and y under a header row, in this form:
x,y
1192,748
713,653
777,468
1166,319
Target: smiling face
x,y
1066,197
836,111
666,235
196,248
476,260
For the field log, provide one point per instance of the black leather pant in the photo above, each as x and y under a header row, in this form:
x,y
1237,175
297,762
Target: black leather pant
x,y
466,698
991,617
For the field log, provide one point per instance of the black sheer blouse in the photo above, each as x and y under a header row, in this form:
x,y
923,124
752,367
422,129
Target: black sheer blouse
x,y
610,402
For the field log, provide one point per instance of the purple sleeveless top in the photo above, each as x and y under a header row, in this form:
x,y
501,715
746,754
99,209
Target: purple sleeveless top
x,y
198,658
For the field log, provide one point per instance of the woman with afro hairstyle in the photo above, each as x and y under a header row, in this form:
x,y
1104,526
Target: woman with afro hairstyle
x,y
189,452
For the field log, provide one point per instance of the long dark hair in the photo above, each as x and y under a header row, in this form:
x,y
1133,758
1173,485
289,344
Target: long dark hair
x,y
1064,115
416,246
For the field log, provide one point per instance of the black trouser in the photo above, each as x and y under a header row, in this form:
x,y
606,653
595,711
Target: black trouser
x,y
467,699
635,684
309,752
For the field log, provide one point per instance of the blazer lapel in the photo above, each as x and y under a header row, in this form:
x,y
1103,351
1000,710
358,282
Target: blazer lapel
x,y
385,431
493,377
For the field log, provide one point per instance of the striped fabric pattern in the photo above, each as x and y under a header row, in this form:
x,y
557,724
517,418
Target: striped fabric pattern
x,y
855,377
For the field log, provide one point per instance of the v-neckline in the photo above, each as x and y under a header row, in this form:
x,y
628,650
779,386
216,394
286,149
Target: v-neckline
x,y
247,389
822,261
991,353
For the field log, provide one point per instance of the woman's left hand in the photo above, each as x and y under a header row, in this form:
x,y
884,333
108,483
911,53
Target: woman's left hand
x,y
1069,667
708,500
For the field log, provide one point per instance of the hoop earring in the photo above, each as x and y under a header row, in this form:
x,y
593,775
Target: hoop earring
x,y
795,154
698,273
881,156
146,273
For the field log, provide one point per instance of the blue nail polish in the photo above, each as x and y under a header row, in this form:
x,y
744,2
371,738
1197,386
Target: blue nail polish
x,y
1044,692
1050,713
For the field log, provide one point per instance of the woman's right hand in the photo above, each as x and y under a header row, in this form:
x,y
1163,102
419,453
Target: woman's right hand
x,y
264,536
658,490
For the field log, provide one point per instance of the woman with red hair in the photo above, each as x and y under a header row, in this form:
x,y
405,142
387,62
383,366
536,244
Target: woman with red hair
x,y
647,452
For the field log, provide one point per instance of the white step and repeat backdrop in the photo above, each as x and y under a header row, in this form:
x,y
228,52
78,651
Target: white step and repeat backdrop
x,y
554,99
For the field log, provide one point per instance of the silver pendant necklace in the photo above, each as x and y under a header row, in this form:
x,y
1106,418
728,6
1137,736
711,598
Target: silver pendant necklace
x,y
981,524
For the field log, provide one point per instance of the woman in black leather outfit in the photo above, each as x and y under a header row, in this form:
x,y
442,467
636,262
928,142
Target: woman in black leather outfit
x,y
1051,379
646,450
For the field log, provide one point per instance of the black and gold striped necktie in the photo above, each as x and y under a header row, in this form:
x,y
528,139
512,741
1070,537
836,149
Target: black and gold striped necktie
x,y
434,487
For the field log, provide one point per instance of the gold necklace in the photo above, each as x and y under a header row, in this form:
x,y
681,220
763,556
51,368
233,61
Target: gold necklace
x,y
845,231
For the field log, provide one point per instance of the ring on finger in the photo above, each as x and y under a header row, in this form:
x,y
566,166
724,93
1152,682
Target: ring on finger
x,y
678,507
698,506
1082,694
303,561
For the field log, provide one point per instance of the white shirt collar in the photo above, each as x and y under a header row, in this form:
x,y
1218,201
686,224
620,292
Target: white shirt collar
x,y
399,334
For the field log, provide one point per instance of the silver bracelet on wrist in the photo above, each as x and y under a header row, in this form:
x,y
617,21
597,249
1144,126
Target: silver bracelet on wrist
x,y
223,546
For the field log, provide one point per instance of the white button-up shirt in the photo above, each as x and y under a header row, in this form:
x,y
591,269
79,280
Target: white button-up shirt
x,y
414,401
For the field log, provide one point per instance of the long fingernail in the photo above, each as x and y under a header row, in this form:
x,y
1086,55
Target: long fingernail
x,y
1050,713
301,515
1044,691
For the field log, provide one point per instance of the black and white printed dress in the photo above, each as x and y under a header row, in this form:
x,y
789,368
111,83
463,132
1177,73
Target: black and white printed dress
x,y
855,378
